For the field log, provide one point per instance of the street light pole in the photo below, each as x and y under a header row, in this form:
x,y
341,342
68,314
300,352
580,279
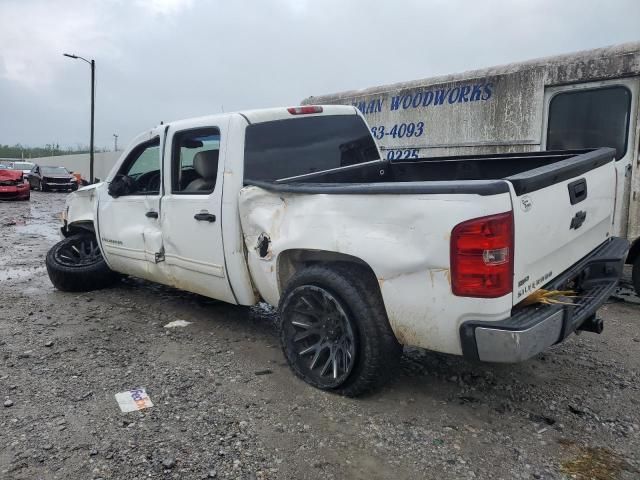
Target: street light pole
x,y
92,63
93,109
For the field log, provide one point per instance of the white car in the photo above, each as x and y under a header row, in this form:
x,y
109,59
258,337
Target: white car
x,y
24,166
295,206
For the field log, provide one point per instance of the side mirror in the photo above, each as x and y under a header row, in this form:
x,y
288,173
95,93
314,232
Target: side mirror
x,y
121,185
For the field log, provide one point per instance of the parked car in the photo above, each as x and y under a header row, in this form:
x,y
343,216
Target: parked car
x,y
12,185
47,178
79,179
297,208
26,167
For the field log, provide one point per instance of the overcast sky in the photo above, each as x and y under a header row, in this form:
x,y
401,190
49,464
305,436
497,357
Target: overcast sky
x,y
169,59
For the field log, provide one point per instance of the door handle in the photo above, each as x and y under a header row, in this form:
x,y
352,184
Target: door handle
x,y
151,214
577,191
206,217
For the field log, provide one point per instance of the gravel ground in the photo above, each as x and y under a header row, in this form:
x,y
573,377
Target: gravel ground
x,y
226,405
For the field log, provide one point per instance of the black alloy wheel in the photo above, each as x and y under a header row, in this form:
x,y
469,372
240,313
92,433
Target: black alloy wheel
x,y
75,264
80,252
321,334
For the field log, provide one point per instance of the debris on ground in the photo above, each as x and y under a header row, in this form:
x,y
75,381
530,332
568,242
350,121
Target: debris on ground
x,y
177,324
133,400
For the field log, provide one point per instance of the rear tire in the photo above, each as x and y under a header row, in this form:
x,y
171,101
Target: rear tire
x,y
334,330
75,264
635,275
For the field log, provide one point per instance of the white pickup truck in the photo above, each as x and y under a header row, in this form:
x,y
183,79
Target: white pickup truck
x,y
295,207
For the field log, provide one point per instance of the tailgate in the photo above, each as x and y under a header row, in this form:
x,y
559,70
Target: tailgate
x,y
561,213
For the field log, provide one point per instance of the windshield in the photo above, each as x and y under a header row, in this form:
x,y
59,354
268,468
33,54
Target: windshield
x,y
287,148
22,165
54,171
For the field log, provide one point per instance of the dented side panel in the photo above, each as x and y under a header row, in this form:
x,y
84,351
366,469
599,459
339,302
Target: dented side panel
x,y
403,238
80,206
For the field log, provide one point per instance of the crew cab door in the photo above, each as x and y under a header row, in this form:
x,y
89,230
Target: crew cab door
x,y
128,226
597,114
191,210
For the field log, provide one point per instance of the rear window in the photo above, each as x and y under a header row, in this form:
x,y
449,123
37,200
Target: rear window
x,y
287,148
590,119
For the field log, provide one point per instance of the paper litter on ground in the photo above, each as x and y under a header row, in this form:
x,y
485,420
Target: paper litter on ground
x,y
177,323
133,400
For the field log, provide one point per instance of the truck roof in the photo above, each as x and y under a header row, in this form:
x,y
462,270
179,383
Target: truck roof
x,y
252,116
266,115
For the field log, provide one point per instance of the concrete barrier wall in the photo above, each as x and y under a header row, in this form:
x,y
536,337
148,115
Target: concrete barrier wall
x,y
102,163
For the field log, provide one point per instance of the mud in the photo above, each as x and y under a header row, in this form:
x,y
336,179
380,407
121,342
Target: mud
x,y
227,406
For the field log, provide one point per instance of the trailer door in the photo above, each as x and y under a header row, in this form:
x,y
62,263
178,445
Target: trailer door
x,y
597,114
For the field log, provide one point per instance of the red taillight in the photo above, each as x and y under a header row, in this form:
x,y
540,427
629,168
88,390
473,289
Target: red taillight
x,y
304,110
482,257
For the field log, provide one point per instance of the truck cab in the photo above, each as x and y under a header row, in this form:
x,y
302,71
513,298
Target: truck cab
x,y
168,211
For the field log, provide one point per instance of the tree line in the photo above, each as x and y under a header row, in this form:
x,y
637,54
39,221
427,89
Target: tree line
x,y
22,151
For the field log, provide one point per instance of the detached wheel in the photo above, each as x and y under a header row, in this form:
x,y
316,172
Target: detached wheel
x,y
635,275
75,264
334,330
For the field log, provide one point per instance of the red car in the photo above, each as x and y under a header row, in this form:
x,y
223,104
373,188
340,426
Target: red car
x,y
13,186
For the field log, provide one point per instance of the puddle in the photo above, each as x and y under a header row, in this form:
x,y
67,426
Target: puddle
x,y
18,273
38,230
33,224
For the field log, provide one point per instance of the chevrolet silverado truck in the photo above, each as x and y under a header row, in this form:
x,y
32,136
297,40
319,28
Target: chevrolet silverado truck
x,y
361,255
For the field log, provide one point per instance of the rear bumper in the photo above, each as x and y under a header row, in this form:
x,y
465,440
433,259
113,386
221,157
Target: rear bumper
x,y
532,329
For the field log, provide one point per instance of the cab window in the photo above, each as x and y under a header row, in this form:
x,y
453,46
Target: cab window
x,y
194,164
591,118
142,166
287,148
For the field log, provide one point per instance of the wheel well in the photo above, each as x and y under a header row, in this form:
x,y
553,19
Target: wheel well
x,y
634,251
291,261
79,227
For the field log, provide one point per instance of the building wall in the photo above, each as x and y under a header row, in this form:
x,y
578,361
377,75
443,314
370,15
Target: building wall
x,y
102,164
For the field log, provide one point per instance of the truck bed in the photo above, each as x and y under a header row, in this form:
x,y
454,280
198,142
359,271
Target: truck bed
x,y
481,174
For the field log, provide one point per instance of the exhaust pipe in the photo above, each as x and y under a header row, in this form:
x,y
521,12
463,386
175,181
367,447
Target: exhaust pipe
x,y
593,324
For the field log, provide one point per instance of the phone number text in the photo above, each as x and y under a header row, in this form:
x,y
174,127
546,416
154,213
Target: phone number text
x,y
399,130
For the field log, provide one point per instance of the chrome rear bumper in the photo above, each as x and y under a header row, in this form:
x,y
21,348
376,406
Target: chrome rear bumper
x,y
532,329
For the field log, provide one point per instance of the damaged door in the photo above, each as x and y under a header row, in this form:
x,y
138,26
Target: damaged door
x,y
191,209
129,232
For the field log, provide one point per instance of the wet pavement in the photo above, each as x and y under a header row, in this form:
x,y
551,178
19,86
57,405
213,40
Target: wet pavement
x,y
227,406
